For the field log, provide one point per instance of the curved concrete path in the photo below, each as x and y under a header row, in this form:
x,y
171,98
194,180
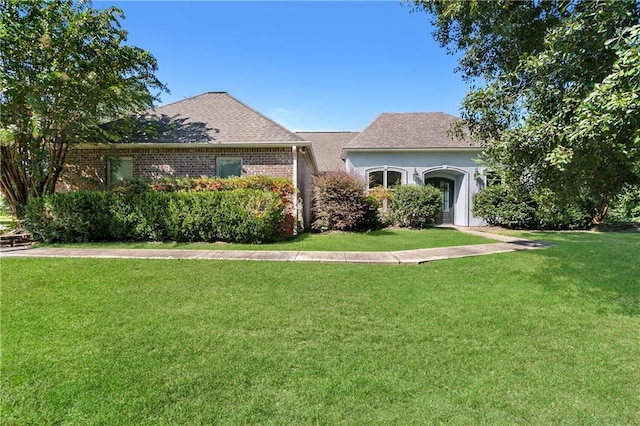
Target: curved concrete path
x,y
405,257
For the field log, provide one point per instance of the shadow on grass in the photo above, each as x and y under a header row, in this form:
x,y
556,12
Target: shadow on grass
x,y
601,267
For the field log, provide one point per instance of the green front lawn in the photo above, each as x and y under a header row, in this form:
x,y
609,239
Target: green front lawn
x,y
383,240
547,336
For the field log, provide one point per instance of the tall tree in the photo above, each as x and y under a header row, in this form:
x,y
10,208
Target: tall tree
x,y
64,70
557,90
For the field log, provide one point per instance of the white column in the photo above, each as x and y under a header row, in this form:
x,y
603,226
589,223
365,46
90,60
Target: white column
x,y
294,181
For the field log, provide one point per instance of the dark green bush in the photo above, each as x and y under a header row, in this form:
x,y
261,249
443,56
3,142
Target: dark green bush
x,y
501,205
553,214
341,203
414,206
242,215
626,206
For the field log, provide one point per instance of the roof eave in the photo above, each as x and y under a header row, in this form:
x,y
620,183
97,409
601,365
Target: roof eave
x,y
146,145
413,149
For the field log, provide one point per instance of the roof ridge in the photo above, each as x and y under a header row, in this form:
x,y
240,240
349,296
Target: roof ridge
x,y
184,99
327,131
419,112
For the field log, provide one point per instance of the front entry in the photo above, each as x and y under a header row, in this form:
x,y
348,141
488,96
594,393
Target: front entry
x,y
446,187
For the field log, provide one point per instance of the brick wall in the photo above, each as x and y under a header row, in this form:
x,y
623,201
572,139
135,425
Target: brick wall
x,y
87,167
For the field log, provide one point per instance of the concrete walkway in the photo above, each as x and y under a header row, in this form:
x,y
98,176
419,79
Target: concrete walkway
x,y
405,257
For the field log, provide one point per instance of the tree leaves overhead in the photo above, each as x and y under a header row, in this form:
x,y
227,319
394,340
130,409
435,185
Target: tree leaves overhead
x,y
558,90
64,69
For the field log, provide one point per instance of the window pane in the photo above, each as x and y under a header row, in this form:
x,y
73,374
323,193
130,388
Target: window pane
x,y
444,188
376,179
228,167
120,169
393,179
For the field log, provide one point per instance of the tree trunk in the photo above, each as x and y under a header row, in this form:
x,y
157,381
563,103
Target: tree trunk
x,y
601,212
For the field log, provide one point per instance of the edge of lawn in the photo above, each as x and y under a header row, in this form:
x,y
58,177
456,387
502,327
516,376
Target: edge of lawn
x,y
384,240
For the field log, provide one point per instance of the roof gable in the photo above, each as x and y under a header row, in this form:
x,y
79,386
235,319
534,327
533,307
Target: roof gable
x,y
415,130
213,118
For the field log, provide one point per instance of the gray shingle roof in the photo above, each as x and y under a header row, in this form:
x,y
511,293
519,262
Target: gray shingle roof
x,y
214,118
327,147
411,130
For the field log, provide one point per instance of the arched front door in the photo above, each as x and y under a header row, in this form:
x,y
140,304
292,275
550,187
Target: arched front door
x,y
446,187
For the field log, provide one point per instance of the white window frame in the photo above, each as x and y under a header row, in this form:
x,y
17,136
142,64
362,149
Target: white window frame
x,y
385,178
224,158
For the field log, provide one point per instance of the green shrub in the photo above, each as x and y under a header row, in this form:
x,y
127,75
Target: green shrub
x,y
341,203
281,186
414,206
486,204
517,208
553,214
501,206
241,215
626,206
72,217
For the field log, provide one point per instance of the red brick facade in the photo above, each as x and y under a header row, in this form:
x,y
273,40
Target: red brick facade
x,y
87,167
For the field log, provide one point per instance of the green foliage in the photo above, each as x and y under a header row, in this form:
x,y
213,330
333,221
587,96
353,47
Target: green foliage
x,y
281,186
558,107
341,203
500,206
517,208
64,70
241,215
414,206
626,206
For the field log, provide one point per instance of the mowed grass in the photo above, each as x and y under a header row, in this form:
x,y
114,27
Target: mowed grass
x,y
382,240
547,336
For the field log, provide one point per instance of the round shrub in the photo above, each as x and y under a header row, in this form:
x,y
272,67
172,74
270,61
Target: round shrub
x,y
414,206
341,203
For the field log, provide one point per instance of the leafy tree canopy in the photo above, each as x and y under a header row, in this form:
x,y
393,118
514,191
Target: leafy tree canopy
x,y
64,70
556,90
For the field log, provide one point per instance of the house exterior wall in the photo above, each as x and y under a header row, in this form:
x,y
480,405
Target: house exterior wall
x,y
305,188
87,167
416,166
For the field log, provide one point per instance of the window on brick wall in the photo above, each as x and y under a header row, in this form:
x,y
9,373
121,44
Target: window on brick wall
x,y
228,167
119,169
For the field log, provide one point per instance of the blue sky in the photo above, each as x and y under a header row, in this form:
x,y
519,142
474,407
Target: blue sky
x,y
329,65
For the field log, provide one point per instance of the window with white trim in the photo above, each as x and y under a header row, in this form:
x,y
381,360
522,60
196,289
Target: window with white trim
x,y
228,167
119,169
385,178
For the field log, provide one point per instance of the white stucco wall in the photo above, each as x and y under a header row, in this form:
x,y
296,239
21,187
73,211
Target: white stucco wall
x,y
415,165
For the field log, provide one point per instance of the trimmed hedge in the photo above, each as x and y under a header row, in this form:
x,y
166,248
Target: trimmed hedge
x,y
282,186
239,215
